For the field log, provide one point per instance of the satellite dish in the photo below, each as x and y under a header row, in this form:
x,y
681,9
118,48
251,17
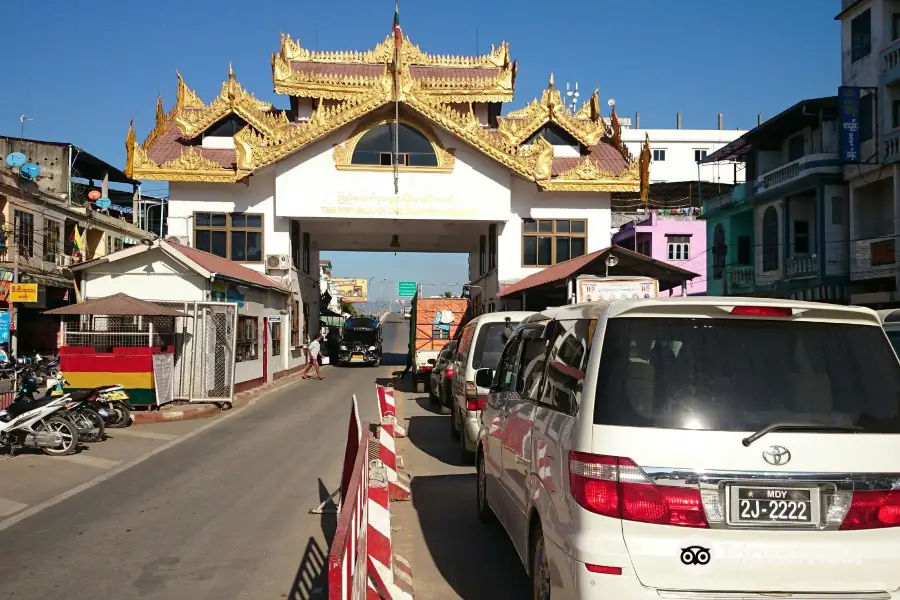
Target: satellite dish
x,y
103,203
611,102
16,159
30,170
94,195
445,317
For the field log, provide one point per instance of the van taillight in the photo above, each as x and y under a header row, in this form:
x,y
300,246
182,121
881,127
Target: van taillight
x,y
475,403
761,311
873,510
616,487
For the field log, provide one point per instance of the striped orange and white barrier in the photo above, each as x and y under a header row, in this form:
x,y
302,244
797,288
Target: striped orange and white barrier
x,y
390,575
398,483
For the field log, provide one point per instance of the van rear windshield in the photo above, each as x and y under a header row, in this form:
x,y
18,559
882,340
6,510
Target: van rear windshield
x,y
489,345
742,374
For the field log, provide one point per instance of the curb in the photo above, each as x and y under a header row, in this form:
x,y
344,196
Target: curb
x,y
203,411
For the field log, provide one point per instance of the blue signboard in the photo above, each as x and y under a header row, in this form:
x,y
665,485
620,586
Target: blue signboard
x,y
4,327
849,99
103,202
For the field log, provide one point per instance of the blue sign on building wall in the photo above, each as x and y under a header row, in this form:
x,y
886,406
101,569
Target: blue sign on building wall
x,y
849,99
4,327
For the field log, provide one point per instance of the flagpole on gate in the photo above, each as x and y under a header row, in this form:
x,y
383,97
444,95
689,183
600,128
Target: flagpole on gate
x,y
397,41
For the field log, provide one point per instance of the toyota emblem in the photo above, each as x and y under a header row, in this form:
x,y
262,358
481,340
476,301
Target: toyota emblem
x,y
777,455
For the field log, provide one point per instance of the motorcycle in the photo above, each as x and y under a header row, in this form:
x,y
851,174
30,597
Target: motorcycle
x,y
110,401
38,424
77,406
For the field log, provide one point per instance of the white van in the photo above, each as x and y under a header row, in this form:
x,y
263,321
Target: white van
x,y
480,345
701,447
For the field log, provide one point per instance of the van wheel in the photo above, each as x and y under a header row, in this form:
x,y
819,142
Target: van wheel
x,y
454,432
540,569
485,513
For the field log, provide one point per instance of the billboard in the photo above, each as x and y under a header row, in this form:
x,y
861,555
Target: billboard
x,y
350,290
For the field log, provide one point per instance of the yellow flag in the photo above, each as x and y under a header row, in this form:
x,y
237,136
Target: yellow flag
x,y
78,240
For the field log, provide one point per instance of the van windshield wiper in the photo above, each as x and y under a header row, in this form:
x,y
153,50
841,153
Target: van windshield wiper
x,y
798,427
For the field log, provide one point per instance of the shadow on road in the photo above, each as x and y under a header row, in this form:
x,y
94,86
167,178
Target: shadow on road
x,y
476,560
311,580
431,435
426,403
393,359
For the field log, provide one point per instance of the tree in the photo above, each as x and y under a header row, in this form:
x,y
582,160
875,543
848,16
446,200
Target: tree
x,y
349,308
448,294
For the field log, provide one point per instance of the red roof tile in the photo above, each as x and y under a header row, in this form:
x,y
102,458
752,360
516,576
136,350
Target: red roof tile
x,y
461,72
557,272
171,144
338,69
606,156
223,266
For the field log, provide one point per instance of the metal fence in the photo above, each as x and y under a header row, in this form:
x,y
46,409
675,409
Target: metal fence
x,y
109,331
204,355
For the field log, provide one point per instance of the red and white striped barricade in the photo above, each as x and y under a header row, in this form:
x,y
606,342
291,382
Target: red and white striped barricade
x,y
390,575
348,556
398,483
387,408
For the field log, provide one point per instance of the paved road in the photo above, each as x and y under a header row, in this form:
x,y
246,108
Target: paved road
x,y
222,513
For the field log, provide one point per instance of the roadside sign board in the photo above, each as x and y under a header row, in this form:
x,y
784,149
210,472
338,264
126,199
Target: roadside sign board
x,y
23,292
4,327
406,289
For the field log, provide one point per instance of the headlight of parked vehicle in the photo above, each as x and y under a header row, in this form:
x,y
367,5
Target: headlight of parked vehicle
x,y
372,348
343,347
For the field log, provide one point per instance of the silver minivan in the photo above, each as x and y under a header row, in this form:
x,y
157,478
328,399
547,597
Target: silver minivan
x,y
480,346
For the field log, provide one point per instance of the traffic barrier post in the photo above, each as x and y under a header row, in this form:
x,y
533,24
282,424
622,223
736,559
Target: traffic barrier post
x,y
399,488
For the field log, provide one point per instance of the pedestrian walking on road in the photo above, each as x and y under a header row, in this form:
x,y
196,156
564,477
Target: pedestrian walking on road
x,y
315,352
409,360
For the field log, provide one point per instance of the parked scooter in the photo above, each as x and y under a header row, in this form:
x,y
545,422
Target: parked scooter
x,y
90,423
110,401
35,424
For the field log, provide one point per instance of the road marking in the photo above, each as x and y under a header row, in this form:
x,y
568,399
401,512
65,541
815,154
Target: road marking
x,y
91,461
29,512
8,507
150,435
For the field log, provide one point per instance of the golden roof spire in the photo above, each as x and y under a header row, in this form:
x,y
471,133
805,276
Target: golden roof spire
x,y
160,111
130,142
232,89
185,96
646,157
551,81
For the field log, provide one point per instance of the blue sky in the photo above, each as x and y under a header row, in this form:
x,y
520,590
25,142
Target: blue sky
x,y
82,71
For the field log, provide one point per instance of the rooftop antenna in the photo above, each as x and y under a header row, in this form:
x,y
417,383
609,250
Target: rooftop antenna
x,y
23,120
572,97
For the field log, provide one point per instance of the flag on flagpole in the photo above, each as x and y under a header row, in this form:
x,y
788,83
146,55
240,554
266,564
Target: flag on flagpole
x,y
398,35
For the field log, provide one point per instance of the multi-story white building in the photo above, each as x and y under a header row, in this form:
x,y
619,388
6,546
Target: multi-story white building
x,y
870,59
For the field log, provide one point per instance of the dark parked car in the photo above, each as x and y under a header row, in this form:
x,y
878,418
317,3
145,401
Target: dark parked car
x,y
441,375
361,342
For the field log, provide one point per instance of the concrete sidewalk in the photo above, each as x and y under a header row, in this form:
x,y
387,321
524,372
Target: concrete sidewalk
x,y
453,554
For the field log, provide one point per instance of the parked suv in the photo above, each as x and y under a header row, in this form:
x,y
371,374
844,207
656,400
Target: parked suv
x,y
697,448
442,374
480,345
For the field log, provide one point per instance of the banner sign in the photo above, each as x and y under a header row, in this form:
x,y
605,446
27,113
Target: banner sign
x,y
593,289
850,101
4,327
350,290
23,292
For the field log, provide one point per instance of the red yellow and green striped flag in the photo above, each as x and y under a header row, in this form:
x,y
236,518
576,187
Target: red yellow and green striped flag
x,y
398,35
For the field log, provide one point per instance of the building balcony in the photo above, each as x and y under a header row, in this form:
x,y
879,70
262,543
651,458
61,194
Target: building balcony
x,y
891,144
824,163
734,196
741,278
800,267
890,63
872,258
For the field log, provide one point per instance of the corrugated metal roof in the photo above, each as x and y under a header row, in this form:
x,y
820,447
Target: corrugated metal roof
x,y
117,304
224,267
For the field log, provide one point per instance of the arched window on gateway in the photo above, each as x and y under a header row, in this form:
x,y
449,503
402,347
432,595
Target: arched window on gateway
x,y
376,147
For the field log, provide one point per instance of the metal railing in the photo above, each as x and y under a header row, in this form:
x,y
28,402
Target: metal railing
x,y
802,266
742,277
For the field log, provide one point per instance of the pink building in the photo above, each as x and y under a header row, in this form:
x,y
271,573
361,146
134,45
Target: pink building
x,y
675,236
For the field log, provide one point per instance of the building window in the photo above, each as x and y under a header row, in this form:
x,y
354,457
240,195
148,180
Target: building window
x,y
547,242
743,250
236,236
796,148
866,117
51,240
895,114
644,247
306,321
227,127
275,329
296,254
247,338
296,340
24,233
699,155
719,251
376,147
801,237
770,240
306,254
114,244
679,247
659,155
895,26
492,246
861,36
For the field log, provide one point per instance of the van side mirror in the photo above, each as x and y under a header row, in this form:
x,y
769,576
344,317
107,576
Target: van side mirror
x,y
484,378
431,361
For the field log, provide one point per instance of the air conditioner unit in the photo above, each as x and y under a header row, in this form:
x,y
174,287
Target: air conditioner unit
x,y
278,262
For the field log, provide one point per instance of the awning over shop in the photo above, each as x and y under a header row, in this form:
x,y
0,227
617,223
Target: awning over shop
x,y
329,318
117,304
548,287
